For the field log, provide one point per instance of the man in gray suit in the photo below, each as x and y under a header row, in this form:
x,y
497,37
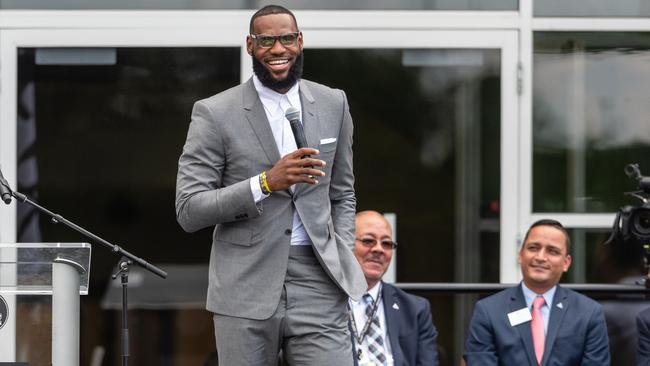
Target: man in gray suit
x,y
281,266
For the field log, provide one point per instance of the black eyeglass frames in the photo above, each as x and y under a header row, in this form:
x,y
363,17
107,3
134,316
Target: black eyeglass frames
x,y
265,41
386,244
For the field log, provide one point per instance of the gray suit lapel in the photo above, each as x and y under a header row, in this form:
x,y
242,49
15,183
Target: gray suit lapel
x,y
254,112
517,302
310,121
558,310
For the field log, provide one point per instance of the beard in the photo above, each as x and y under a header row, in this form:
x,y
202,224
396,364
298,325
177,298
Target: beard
x,y
295,73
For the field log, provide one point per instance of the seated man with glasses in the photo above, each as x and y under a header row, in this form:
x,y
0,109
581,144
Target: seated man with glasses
x,y
389,326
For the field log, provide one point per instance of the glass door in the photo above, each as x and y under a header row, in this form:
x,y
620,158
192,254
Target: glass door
x,y
93,126
435,145
92,122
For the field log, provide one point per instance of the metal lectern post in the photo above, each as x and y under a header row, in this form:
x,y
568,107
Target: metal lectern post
x,y
65,312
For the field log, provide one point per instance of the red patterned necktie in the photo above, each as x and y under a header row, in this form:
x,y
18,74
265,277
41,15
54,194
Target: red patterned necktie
x,y
537,327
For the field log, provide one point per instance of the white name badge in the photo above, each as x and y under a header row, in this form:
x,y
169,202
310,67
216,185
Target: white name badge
x,y
519,316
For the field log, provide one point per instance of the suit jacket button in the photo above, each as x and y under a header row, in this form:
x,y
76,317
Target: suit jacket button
x,y
288,231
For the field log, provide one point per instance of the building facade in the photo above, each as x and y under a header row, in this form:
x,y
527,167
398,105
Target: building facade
x,y
472,121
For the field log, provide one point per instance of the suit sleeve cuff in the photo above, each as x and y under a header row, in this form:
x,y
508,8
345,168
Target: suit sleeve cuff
x,y
258,196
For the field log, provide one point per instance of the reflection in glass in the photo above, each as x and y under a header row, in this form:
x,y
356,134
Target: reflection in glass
x,y
106,139
590,118
590,8
98,142
426,147
33,329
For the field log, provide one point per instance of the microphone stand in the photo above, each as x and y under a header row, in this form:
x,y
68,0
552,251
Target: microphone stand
x,y
126,260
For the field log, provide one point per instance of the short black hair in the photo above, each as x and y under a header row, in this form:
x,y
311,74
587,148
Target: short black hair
x,y
271,9
551,223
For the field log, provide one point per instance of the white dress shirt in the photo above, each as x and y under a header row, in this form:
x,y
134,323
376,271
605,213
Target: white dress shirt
x,y
275,105
360,319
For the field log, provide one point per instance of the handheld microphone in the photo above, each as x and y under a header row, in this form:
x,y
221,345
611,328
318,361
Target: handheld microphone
x,y
293,115
5,192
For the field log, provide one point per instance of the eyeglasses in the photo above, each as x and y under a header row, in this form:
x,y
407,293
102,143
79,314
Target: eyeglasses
x,y
385,244
264,41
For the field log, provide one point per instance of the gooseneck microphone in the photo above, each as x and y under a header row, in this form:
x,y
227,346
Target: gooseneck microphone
x,y
293,115
5,192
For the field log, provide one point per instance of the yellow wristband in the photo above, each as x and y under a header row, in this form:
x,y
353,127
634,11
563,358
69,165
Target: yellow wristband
x,y
265,184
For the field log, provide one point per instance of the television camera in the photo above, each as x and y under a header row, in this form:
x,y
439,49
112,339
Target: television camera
x,y
632,223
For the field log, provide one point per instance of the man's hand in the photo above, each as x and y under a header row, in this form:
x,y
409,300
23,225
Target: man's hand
x,y
292,169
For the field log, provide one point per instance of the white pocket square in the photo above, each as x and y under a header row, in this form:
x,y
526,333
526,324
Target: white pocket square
x,y
328,141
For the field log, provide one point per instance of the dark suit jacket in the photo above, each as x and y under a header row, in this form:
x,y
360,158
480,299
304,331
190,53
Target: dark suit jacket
x,y
576,334
643,346
410,328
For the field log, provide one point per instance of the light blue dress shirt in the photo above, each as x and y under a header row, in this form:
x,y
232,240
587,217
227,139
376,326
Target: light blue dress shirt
x,y
530,296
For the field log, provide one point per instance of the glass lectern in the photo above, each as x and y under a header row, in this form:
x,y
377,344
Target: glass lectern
x,y
59,270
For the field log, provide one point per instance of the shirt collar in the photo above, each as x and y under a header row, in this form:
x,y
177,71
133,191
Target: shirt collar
x,y
374,292
530,295
269,96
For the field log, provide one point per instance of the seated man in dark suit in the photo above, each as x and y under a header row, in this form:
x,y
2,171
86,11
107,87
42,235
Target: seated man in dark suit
x,y
539,322
643,345
389,326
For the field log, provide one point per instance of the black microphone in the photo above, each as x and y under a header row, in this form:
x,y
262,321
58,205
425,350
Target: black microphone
x,y
5,192
293,115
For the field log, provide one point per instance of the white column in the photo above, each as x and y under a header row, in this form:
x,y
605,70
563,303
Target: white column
x,y
65,312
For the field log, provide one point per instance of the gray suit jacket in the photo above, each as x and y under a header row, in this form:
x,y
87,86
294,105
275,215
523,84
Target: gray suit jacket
x,y
229,141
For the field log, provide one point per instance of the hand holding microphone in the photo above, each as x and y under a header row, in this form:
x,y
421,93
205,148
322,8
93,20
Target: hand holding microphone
x,y
298,166
293,115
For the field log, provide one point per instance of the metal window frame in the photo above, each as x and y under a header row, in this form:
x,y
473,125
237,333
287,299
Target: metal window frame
x,y
570,220
508,30
322,29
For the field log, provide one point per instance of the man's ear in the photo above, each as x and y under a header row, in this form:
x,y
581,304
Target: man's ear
x,y
249,45
567,263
